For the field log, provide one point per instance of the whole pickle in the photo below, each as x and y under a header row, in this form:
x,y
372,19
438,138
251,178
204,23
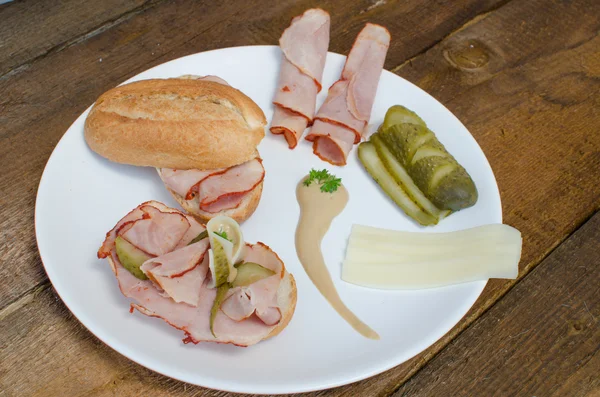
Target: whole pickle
x,y
398,114
435,171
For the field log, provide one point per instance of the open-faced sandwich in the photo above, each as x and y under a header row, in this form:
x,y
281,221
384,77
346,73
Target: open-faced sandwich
x,y
204,280
200,133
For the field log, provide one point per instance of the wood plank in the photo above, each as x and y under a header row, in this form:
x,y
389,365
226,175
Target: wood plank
x,y
32,28
542,339
38,104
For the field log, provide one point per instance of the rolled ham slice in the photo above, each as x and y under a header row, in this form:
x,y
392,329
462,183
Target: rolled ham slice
x,y
350,99
304,45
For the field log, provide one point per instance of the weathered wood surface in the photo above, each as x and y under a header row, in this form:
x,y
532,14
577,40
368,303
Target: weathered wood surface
x,y
522,76
542,339
31,29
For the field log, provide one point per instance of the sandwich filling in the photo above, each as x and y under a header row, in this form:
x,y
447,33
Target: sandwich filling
x,y
162,261
217,190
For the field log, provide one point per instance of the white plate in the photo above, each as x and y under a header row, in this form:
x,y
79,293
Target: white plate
x,y
81,196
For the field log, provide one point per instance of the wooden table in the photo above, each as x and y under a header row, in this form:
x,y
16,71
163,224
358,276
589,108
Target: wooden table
x,y
523,76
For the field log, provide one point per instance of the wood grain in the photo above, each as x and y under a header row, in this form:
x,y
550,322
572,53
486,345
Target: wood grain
x,y
38,104
528,92
32,28
542,339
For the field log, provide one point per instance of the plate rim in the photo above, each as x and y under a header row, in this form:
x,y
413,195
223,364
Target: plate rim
x,y
122,350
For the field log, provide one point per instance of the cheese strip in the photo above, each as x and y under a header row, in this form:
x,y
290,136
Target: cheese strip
x,y
388,259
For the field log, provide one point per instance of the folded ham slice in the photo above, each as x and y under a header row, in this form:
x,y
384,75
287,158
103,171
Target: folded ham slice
x,y
186,182
350,99
157,232
304,45
215,190
259,298
180,273
236,180
177,290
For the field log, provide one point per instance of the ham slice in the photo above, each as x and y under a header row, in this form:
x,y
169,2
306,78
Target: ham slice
x,y
195,229
350,99
157,232
180,273
304,45
259,297
134,215
178,262
236,180
185,182
215,190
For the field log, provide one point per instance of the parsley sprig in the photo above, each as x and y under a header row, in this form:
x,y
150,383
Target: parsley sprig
x,y
223,234
329,183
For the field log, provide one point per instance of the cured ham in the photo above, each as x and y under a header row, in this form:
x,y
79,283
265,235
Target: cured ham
x,y
157,232
215,190
177,288
345,114
185,182
180,273
304,45
259,297
236,180
136,214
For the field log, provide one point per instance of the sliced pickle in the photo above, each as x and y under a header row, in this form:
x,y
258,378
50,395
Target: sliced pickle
x,y
199,237
221,293
218,265
249,273
131,257
233,245
398,114
401,177
374,166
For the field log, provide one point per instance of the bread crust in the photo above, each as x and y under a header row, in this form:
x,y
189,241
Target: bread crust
x,y
175,123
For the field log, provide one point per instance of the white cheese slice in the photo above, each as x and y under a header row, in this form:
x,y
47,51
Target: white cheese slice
x,y
388,259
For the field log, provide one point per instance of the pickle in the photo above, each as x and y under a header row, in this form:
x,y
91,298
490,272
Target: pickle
x,y
402,178
375,167
398,114
199,237
249,273
435,171
218,265
221,293
131,257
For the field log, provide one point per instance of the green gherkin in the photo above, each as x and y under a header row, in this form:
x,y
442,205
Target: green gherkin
x,y
435,171
131,257
249,273
221,293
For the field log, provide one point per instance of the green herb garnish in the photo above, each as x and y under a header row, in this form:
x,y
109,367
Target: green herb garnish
x,y
329,183
223,234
